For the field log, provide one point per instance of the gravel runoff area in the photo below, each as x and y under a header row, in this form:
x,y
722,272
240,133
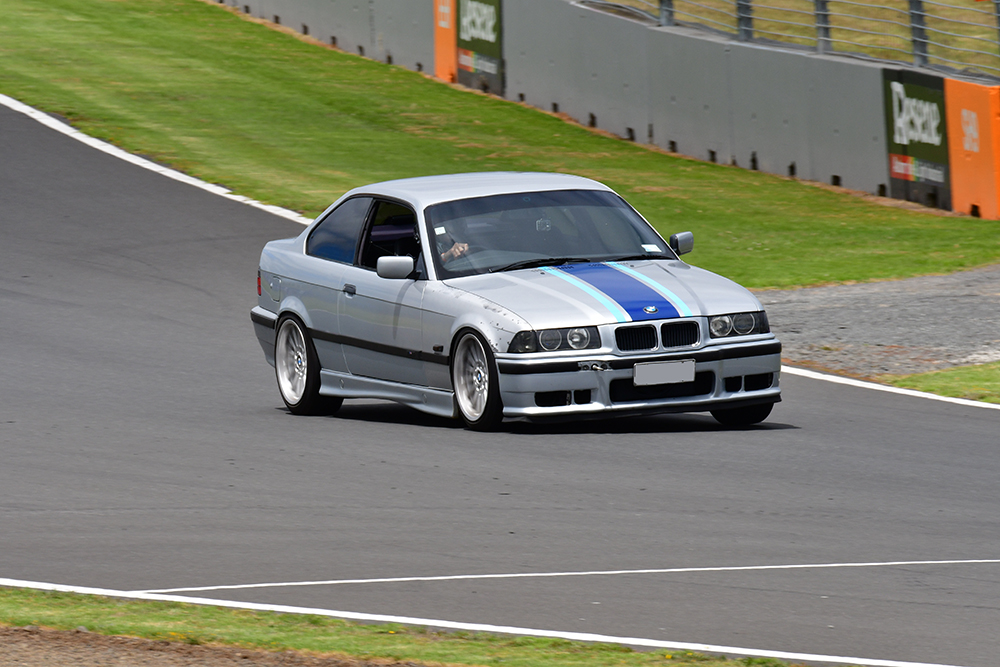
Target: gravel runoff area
x,y
865,330
895,327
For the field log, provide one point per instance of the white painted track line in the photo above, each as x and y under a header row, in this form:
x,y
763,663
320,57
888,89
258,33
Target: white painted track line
x,y
470,627
544,575
110,149
836,379
59,126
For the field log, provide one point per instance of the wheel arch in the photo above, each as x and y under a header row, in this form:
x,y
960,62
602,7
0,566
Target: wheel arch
x,y
497,329
293,306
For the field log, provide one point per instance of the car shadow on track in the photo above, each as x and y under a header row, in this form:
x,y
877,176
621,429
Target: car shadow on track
x,y
384,412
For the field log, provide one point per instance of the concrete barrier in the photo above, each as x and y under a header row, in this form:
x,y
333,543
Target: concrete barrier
x,y
774,108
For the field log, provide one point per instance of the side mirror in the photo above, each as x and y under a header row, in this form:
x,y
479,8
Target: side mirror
x,y
682,243
394,268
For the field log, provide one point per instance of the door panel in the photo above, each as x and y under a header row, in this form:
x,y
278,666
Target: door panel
x,y
381,326
380,318
330,250
321,295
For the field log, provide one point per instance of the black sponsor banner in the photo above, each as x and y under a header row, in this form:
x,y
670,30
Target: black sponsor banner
x,y
480,45
917,137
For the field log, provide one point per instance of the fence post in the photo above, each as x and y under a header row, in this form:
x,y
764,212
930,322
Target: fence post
x,y
667,12
918,33
996,10
744,20
822,12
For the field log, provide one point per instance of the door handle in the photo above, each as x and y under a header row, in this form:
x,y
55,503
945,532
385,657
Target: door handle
x,y
350,290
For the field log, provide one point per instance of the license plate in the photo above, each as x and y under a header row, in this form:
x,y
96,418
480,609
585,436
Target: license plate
x,y
663,372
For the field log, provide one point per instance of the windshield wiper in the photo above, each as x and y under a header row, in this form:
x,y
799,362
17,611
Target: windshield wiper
x,y
541,261
627,258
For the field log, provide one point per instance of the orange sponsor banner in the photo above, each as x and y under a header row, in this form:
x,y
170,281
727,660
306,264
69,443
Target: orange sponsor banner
x,y
973,117
445,41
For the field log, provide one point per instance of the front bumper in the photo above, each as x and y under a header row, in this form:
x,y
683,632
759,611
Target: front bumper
x,y
726,375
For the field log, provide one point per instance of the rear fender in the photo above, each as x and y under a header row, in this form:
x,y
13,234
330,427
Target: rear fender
x,y
294,306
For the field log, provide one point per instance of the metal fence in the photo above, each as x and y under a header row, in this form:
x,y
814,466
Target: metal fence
x,y
956,35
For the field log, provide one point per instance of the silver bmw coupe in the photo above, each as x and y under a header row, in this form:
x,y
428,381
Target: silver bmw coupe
x,y
507,295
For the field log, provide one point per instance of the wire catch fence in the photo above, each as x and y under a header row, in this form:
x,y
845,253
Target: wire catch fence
x,y
956,35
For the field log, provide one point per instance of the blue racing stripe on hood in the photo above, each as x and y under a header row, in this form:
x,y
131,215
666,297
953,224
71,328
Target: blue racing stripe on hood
x,y
677,302
619,314
634,296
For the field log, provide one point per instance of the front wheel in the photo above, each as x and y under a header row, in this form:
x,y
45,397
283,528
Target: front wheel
x,y
752,414
296,367
475,379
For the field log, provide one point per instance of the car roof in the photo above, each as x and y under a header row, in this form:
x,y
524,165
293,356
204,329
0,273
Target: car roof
x,y
426,191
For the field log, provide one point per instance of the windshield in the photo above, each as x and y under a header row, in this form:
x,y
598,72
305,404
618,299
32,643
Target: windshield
x,y
508,232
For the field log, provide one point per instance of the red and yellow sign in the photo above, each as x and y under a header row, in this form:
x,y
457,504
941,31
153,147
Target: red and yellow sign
x,y
973,116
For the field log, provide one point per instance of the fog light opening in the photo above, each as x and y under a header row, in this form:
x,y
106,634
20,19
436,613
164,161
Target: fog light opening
x,y
552,399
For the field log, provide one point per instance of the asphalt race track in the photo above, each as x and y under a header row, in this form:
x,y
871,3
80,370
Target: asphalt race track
x,y
145,447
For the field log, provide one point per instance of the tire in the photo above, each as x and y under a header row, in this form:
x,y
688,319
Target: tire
x,y
752,414
475,379
296,368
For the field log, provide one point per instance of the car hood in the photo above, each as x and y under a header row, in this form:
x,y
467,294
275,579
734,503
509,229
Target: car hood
x,y
609,292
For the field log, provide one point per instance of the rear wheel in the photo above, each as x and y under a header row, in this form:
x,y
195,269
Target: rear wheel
x,y
296,367
475,380
752,414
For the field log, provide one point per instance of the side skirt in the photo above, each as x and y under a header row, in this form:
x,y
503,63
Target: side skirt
x,y
434,401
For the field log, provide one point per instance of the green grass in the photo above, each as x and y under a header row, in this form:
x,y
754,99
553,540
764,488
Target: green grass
x,y
272,117
195,624
976,383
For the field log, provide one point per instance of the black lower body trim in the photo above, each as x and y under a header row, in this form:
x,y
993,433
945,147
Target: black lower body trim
x,y
380,348
257,318
741,352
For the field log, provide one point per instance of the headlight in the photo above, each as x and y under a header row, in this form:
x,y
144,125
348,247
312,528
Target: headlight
x,y
524,341
552,340
720,326
579,338
738,324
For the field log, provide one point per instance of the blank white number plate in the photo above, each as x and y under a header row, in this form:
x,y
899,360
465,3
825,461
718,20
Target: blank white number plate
x,y
663,372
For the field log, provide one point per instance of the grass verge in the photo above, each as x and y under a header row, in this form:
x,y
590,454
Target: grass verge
x,y
291,123
195,624
976,383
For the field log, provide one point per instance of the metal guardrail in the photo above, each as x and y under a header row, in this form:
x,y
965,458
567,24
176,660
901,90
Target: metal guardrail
x,y
956,35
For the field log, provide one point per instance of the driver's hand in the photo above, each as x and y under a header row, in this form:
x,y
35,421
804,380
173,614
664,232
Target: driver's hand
x,y
454,252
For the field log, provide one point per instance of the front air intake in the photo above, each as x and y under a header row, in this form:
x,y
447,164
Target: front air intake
x,y
635,338
624,390
679,334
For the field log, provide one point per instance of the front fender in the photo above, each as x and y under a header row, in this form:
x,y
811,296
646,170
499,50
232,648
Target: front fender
x,y
494,322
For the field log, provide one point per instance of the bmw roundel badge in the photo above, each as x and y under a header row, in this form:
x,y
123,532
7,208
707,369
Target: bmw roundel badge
x,y
649,309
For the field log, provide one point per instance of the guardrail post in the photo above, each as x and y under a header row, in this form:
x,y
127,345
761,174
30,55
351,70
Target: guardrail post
x,y
996,10
667,12
823,44
918,32
744,20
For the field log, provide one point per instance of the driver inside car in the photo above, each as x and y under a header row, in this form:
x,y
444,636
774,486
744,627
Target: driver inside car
x,y
454,252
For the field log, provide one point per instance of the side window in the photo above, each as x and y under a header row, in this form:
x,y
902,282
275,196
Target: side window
x,y
336,236
393,232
